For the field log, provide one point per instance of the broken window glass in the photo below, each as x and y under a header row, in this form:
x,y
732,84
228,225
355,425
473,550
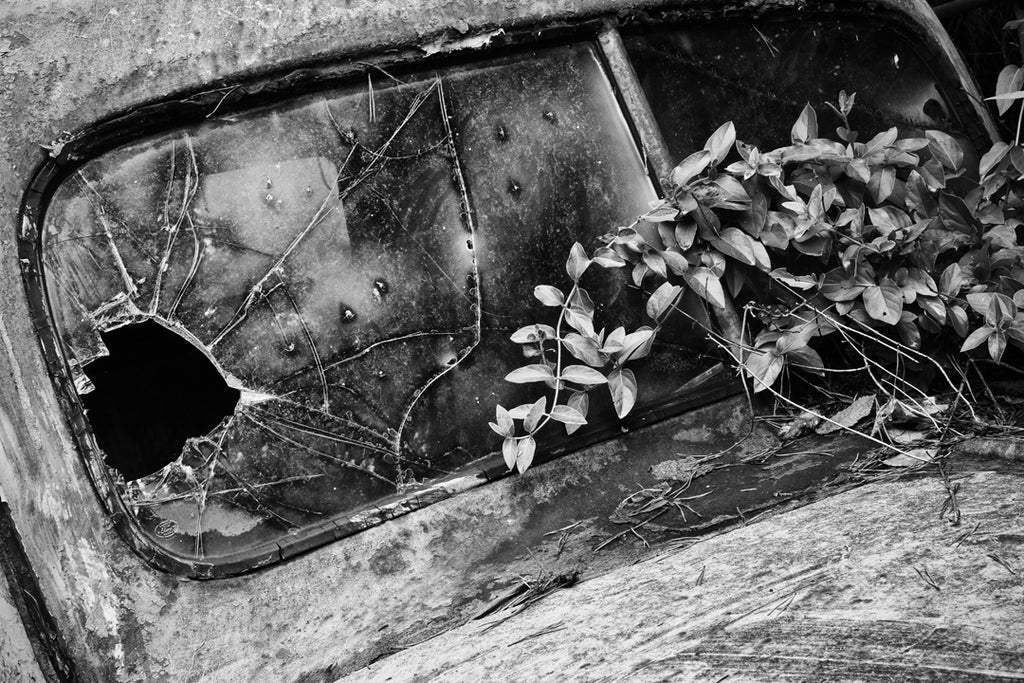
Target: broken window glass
x,y
345,269
760,75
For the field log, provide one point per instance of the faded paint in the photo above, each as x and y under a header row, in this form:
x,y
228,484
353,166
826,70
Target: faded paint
x,y
830,591
320,615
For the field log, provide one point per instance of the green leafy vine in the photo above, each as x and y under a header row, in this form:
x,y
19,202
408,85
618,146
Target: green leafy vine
x,y
887,246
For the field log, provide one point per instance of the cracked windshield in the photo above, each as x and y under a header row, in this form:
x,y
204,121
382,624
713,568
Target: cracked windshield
x,y
283,315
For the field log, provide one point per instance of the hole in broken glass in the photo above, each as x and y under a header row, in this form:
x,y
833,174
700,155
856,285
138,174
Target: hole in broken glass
x,y
152,393
356,274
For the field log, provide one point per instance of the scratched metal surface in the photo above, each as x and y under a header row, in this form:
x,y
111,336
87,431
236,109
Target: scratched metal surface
x,y
867,585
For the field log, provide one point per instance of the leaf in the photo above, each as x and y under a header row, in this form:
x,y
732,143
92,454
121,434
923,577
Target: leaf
x,y
753,219
956,215
979,301
533,333
977,338
761,258
686,203
888,218
1009,80
1001,309
908,332
764,368
568,415
735,280
580,402
661,300
690,167
520,412
917,456
720,141
534,414
951,280
580,321
881,140
1016,334
509,448
882,183
844,307
849,416
685,234
933,306
581,374
794,281
920,282
607,257
1008,97
636,345
577,262
813,246
640,271
806,358
622,385
530,373
911,144
946,149
797,153
655,262
584,348
676,262
997,345
503,425
884,302
524,453
806,126
580,302
933,175
858,170
734,194
548,295
663,212
957,317
714,261
737,244
613,343
919,199
706,285
794,340
992,158
840,286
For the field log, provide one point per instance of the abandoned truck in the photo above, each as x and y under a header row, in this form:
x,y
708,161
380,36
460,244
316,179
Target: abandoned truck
x,y
261,277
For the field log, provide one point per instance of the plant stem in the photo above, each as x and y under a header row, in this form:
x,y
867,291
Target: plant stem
x,y
1020,116
558,365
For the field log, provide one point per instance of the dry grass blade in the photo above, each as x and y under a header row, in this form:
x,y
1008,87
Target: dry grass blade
x,y
522,596
927,578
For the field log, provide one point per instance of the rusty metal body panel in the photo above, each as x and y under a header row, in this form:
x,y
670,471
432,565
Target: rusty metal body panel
x,y
66,65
